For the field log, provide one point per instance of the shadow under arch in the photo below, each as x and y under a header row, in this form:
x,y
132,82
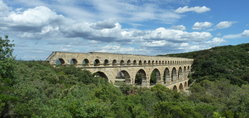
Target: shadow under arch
x,y
140,77
60,61
73,61
85,62
96,62
173,74
181,87
180,73
100,74
185,84
155,76
175,88
166,76
122,77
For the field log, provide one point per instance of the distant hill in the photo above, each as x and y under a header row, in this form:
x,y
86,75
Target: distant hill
x,y
230,62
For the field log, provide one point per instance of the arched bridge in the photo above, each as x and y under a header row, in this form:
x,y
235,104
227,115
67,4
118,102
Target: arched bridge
x,y
139,70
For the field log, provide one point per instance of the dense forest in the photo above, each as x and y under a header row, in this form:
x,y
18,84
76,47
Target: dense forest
x,y
229,62
36,89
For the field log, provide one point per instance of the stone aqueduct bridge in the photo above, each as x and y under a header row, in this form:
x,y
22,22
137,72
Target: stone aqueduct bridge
x,y
138,70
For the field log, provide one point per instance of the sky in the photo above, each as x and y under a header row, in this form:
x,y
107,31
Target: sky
x,y
147,27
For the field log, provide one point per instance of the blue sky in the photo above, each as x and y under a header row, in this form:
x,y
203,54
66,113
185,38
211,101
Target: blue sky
x,y
148,27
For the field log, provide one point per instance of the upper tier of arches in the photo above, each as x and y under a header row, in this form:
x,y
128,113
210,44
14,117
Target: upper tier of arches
x,y
114,62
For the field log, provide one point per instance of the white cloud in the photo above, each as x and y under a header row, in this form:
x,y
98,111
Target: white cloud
x,y
4,9
243,34
216,41
51,31
155,43
179,27
34,17
201,25
196,9
176,35
224,24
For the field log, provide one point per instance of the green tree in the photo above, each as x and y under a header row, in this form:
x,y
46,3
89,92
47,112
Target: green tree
x,y
176,110
6,75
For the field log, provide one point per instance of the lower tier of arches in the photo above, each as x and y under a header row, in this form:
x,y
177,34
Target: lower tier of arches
x,y
172,77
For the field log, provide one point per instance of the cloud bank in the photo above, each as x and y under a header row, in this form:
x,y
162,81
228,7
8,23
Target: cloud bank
x,y
196,9
38,29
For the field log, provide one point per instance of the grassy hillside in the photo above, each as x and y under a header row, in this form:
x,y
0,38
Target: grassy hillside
x,y
229,62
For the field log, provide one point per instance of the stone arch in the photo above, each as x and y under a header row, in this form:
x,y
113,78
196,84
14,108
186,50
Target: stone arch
x,y
163,62
96,62
149,62
85,62
181,87
122,62
156,62
73,61
134,62
129,62
60,61
159,62
106,62
180,73
155,77
188,68
152,62
145,62
166,76
122,77
140,77
100,74
185,84
173,74
175,88
114,62
185,72
140,62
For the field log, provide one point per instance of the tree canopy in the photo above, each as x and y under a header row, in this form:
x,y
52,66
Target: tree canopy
x,y
37,89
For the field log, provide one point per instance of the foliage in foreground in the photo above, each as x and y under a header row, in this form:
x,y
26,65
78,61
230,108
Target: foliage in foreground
x,y
43,91
36,89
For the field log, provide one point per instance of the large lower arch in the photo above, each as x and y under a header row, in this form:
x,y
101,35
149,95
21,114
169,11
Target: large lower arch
x,y
73,61
185,84
155,77
122,77
175,88
100,74
185,72
180,73
166,76
60,61
181,87
140,77
173,75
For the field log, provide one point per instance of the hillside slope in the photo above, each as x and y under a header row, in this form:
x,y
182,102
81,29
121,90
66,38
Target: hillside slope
x,y
230,62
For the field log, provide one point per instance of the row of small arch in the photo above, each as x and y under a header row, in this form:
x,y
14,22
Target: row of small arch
x,y
181,86
114,62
